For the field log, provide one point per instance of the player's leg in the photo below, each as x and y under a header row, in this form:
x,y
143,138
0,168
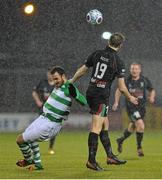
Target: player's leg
x,y
27,142
47,130
36,155
96,127
51,144
25,150
105,139
140,126
127,132
41,129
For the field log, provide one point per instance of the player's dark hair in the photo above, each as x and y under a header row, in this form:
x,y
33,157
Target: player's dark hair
x,y
136,63
57,69
116,40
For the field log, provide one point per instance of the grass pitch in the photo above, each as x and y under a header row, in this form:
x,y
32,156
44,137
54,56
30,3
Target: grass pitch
x,y
71,155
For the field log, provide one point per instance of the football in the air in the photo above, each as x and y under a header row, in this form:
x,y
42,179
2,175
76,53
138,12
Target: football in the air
x,y
94,17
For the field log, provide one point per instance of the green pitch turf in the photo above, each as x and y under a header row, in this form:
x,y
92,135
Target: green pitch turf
x,y
71,155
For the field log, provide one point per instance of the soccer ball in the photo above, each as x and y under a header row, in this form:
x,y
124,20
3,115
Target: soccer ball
x,y
94,17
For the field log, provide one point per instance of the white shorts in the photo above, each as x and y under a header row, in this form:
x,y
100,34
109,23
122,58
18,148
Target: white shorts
x,y
41,129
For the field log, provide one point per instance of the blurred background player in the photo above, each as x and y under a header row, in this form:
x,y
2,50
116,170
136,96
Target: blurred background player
x,y
40,94
49,123
106,66
137,85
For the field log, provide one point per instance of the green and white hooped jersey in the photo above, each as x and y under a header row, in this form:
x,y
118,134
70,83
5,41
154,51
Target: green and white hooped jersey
x,y
58,104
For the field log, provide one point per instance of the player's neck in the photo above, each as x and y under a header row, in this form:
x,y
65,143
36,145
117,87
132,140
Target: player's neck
x,y
135,78
115,49
64,80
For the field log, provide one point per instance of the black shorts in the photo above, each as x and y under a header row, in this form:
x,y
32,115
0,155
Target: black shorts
x,y
97,106
136,114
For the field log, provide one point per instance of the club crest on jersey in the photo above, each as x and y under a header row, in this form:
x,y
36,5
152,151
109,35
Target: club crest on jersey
x,y
142,84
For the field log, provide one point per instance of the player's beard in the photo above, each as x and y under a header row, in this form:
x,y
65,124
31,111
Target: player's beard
x,y
59,84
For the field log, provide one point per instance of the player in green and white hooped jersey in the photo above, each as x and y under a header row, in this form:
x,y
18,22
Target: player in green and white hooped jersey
x,y
47,125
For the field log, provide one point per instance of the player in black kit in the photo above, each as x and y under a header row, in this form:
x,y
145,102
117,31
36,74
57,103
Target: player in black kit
x,y
137,85
40,94
106,65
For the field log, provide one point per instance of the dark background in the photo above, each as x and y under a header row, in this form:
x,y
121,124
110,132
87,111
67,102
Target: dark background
x,y
58,34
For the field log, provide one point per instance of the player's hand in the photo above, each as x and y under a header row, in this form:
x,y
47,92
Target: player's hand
x,y
115,106
39,104
151,100
133,100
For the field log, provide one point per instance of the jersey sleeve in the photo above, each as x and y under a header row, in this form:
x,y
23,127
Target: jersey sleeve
x,y
149,85
126,81
120,69
37,87
74,92
89,61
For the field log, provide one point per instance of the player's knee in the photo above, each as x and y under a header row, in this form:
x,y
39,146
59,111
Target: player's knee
x,y
141,128
19,139
140,124
96,130
131,127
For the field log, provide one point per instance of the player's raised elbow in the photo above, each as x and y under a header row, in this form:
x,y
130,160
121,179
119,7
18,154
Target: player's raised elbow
x,y
122,89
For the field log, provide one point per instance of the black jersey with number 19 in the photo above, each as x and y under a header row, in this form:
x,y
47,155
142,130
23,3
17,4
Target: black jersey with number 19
x,y
106,65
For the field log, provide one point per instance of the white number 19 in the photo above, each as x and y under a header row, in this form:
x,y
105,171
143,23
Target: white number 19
x,y
100,70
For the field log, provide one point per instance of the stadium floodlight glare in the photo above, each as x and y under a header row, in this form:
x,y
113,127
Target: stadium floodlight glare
x,y
106,35
29,9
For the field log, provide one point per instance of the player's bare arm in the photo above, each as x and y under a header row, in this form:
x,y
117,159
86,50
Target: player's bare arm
x,y
122,87
117,99
37,100
79,73
151,96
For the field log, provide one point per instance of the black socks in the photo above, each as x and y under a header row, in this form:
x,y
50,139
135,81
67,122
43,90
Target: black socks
x,y
104,137
139,137
126,134
93,145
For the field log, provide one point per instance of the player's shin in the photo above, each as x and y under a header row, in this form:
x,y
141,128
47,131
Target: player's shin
x,y
93,145
139,138
125,135
111,158
104,137
36,152
26,151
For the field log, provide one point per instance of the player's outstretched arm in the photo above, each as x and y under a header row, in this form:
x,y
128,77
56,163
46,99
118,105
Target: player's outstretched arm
x,y
117,99
75,93
79,73
122,87
37,100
